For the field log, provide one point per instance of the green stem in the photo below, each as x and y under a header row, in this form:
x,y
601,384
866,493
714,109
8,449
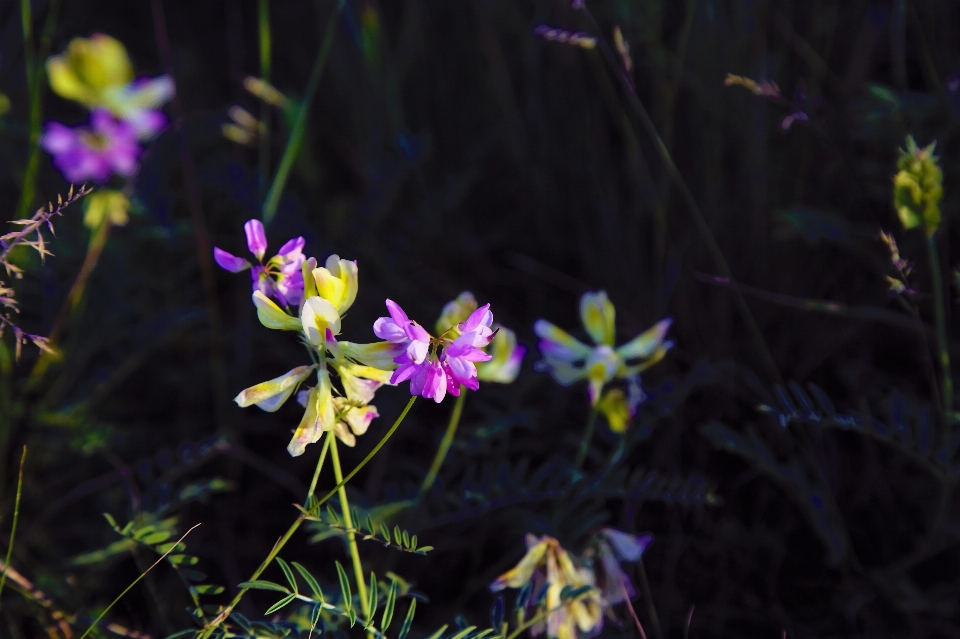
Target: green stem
x,y
445,443
946,386
264,30
208,630
33,90
648,597
16,516
585,442
348,523
300,123
316,473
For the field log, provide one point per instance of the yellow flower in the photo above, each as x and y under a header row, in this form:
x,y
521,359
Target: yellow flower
x,y
97,73
105,206
547,562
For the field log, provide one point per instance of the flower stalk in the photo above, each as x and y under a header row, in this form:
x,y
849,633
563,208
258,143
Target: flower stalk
x,y
946,375
348,524
445,444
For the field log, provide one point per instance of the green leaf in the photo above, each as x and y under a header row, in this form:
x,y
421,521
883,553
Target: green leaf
x,y
371,600
263,585
388,607
311,581
397,536
288,574
385,532
424,550
280,604
187,560
111,521
164,548
464,633
332,516
207,589
482,634
405,628
345,589
156,538
315,618
413,543
406,539
368,525
438,633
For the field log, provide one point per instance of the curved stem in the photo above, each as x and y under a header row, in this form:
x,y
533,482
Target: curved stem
x,y
213,625
946,385
445,444
348,523
585,442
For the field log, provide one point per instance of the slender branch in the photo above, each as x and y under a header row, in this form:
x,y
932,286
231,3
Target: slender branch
x,y
648,596
946,385
134,583
585,441
16,517
687,196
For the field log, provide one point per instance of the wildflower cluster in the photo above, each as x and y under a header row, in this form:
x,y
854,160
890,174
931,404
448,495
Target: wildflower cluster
x,y
569,360
97,73
567,594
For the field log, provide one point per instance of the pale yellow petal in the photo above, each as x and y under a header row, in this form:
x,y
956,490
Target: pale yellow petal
x,y
272,316
598,316
270,395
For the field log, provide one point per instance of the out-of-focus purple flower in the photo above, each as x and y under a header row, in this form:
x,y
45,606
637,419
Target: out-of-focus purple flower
x,y
791,118
107,146
436,366
280,277
615,547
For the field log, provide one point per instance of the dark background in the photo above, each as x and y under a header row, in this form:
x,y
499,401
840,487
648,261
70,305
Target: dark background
x,y
448,148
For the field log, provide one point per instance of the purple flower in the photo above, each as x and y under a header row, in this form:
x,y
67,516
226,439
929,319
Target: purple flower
x,y
436,366
93,152
459,358
281,277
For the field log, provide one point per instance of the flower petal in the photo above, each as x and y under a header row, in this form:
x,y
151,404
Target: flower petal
x,y
507,357
520,574
272,316
256,238
308,431
646,344
318,315
558,343
271,395
456,311
628,547
229,262
380,355
598,316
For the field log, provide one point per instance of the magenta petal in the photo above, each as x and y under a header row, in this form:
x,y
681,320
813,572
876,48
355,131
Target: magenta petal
x,y
399,317
386,328
256,238
434,382
230,262
405,371
480,317
292,248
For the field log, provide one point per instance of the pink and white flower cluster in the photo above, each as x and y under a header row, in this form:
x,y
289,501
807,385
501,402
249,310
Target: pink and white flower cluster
x,y
436,366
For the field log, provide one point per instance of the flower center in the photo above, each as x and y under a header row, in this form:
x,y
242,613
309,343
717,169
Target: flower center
x,y
93,140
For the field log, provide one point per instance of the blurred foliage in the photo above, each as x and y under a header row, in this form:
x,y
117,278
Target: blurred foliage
x,y
447,147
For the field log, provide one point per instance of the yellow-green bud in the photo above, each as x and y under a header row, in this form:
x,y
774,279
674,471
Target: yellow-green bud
x,y
918,187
